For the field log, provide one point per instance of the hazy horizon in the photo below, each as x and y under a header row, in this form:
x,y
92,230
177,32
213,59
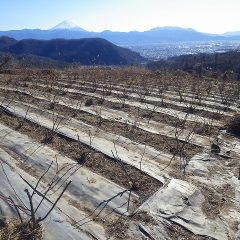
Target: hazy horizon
x,y
209,16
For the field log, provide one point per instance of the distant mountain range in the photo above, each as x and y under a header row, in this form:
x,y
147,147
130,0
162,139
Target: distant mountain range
x,y
237,33
87,51
68,30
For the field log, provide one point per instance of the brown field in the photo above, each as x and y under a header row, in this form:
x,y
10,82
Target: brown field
x,y
124,153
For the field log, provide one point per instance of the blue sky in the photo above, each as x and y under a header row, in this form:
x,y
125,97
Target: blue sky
x,y
215,16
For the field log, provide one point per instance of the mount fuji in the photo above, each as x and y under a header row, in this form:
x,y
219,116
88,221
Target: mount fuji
x,y
67,25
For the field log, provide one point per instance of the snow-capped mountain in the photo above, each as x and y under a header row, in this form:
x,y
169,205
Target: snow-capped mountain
x,y
67,25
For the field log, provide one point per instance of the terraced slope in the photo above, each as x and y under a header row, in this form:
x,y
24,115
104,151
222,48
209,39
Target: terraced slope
x,y
145,160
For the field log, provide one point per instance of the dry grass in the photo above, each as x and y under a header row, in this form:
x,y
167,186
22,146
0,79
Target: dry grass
x,y
178,232
118,229
15,230
217,200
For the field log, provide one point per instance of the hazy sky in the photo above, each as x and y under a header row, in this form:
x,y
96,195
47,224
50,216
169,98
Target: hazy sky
x,y
213,16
